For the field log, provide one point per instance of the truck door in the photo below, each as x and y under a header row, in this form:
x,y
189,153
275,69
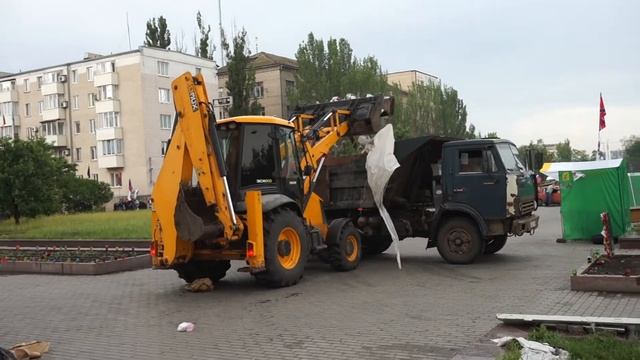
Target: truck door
x,y
478,182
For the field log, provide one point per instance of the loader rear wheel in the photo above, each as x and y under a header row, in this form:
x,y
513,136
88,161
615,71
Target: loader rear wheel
x,y
496,244
375,244
193,270
286,249
344,245
459,241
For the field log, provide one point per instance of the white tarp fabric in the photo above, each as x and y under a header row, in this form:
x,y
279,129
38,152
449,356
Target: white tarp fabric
x,y
381,163
552,169
533,350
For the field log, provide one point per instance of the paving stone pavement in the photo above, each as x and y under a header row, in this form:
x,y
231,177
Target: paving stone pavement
x,y
428,310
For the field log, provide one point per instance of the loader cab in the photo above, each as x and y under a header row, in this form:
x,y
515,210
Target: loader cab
x,y
260,156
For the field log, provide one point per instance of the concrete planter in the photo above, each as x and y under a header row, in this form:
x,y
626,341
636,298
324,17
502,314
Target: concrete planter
x,y
606,283
62,268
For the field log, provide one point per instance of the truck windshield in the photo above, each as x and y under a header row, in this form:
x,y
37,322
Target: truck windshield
x,y
509,155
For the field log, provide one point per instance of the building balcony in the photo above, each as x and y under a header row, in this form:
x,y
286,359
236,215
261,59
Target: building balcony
x,y
8,96
53,114
56,140
110,161
105,79
109,105
109,133
52,88
12,120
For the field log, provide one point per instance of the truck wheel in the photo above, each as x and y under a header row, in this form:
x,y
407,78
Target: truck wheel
x,y
193,270
286,249
375,244
459,241
496,244
344,246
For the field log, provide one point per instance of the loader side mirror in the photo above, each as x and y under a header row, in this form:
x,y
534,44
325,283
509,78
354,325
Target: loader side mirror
x,y
308,170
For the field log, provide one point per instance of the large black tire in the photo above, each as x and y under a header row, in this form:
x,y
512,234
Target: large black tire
x,y
344,246
375,244
286,248
459,241
495,244
193,270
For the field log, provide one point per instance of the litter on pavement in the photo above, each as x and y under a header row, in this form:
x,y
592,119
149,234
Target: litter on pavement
x,y
533,350
186,327
200,285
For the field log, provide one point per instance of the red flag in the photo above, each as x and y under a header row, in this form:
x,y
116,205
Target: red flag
x,y
603,113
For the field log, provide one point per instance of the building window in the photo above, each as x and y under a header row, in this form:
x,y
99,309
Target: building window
x,y
258,91
40,106
51,77
106,92
92,100
77,127
50,128
106,67
51,101
78,154
108,120
27,110
32,133
163,68
39,81
74,76
94,153
198,70
76,102
112,147
165,121
95,177
92,126
89,73
290,86
163,96
115,179
163,147
26,85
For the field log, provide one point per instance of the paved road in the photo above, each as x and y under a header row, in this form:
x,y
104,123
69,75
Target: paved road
x,y
428,310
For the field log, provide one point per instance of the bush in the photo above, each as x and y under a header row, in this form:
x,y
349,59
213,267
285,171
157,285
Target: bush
x,y
80,195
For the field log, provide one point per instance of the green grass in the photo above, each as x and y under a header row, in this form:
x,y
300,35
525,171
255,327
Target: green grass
x,y
601,346
86,226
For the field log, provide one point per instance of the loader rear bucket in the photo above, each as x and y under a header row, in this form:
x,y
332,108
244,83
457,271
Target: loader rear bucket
x,y
368,115
195,220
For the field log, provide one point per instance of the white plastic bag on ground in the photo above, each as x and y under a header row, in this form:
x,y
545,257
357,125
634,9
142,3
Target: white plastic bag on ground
x,y
533,350
186,327
381,163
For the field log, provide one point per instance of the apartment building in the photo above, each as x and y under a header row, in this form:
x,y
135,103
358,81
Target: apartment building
x,y
275,77
111,115
405,79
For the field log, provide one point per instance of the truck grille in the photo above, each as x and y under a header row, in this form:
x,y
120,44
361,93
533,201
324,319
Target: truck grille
x,y
527,207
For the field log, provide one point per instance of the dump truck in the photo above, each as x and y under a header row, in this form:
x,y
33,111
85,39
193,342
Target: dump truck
x,y
243,188
465,196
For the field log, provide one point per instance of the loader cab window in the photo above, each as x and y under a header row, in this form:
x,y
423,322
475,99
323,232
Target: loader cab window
x,y
258,158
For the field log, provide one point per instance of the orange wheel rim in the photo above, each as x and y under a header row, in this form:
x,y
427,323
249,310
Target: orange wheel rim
x,y
351,250
289,248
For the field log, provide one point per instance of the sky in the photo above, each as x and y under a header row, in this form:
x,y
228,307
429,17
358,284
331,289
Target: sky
x,y
526,69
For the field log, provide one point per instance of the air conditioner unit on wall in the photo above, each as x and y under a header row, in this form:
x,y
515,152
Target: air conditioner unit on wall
x,y
64,104
62,78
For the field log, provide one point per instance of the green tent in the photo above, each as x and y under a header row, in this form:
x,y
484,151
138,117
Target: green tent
x,y
589,188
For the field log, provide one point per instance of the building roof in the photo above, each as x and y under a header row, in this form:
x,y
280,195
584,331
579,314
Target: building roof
x,y
406,71
3,74
264,60
91,57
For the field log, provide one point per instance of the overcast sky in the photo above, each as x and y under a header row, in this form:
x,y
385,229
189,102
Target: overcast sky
x,y
526,69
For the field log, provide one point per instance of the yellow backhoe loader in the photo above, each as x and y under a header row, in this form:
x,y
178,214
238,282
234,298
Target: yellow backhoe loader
x,y
242,188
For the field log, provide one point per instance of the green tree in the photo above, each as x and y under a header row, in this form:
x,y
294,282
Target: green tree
x,y
632,152
430,109
579,155
491,135
242,77
158,35
29,178
332,70
204,46
563,151
529,152
80,194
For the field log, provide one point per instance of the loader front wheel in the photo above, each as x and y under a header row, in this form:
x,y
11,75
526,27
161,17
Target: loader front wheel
x,y
193,270
286,249
344,245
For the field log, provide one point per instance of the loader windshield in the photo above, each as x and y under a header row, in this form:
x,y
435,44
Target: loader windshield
x,y
230,144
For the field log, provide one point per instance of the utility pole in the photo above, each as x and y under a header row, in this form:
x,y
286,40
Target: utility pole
x,y
221,32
